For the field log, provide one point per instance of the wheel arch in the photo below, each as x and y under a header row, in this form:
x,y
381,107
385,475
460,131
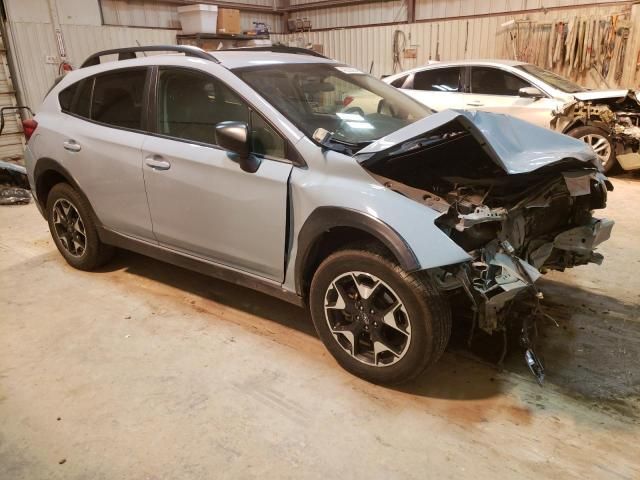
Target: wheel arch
x,y
330,228
48,173
582,122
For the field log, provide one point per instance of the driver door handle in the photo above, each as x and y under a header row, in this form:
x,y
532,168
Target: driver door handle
x,y
475,103
157,162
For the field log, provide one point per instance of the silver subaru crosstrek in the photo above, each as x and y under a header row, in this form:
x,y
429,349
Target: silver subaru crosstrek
x,y
309,180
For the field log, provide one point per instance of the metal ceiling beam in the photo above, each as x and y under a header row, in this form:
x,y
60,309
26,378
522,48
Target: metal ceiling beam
x,y
323,4
244,7
283,6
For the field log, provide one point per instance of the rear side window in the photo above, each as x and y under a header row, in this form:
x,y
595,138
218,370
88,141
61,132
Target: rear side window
x,y
439,80
118,98
493,81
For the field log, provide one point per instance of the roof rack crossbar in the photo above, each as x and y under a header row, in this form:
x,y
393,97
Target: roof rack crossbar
x,y
129,52
278,49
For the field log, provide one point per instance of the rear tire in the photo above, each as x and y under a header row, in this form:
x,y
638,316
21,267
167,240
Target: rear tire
x,y
393,324
74,230
600,141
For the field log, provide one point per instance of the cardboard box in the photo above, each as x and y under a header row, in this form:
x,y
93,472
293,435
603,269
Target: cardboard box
x,y
228,21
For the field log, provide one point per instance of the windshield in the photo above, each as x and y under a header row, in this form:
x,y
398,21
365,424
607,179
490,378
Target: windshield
x,y
553,79
354,107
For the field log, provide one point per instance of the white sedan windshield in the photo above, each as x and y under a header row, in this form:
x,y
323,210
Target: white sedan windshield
x,y
553,79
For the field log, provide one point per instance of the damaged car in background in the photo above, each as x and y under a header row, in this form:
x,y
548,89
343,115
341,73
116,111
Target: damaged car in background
x,y
519,199
610,121
607,120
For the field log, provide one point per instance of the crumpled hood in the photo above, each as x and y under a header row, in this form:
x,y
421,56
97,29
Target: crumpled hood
x,y
515,145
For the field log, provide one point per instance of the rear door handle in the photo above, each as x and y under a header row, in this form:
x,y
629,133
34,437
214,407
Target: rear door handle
x,y
72,146
475,104
157,162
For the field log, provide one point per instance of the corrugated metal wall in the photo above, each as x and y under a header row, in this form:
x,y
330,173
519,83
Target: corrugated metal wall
x,y
485,38
428,9
31,42
391,11
12,139
150,13
364,14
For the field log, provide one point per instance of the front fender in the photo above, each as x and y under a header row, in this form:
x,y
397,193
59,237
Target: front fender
x,y
339,192
323,219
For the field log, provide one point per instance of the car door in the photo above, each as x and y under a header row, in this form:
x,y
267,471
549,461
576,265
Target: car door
x,y
437,88
102,136
496,90
202,203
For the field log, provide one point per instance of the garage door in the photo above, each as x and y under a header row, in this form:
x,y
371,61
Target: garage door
x,y
11,140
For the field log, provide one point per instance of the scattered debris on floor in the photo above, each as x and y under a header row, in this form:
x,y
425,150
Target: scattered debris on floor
x,y
14,185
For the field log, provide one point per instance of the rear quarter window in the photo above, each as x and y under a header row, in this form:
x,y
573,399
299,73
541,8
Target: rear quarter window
x,y
399,82
65,97
76,98
114,98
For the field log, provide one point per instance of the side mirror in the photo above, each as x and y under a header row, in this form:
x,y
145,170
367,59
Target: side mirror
x,y
530,92
234,137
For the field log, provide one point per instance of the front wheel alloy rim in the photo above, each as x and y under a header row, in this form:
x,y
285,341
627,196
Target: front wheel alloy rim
x,y
600,146
69,227
367,319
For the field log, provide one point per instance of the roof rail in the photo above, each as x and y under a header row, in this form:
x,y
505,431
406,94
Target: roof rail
x,y
130,52
279,49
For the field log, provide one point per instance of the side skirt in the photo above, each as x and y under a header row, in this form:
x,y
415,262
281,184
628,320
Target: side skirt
x,y
199,265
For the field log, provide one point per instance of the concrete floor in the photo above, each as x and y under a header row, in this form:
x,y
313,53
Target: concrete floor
x,y
144,370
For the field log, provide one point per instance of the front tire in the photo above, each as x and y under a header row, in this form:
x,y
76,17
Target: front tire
x,y
379,322
600,142
73,229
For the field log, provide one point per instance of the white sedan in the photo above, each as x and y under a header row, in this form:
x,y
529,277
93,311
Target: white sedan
x,y
608,120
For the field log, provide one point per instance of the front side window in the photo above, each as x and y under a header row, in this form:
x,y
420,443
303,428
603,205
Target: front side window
x,y
118,98
192,103
439,80
264,140
493,81
355,107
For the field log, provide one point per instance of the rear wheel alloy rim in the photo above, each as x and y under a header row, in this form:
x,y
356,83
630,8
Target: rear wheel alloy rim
x,y
600,146
69,227
367,319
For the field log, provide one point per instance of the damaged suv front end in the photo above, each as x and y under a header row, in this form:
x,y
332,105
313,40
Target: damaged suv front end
x,y
518,198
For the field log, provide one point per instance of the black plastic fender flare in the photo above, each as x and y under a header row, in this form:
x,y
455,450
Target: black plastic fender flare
x,y
44,165
323,219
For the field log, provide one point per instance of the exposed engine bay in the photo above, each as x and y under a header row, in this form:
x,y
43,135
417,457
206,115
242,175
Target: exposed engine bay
x,y
514,226
618,116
